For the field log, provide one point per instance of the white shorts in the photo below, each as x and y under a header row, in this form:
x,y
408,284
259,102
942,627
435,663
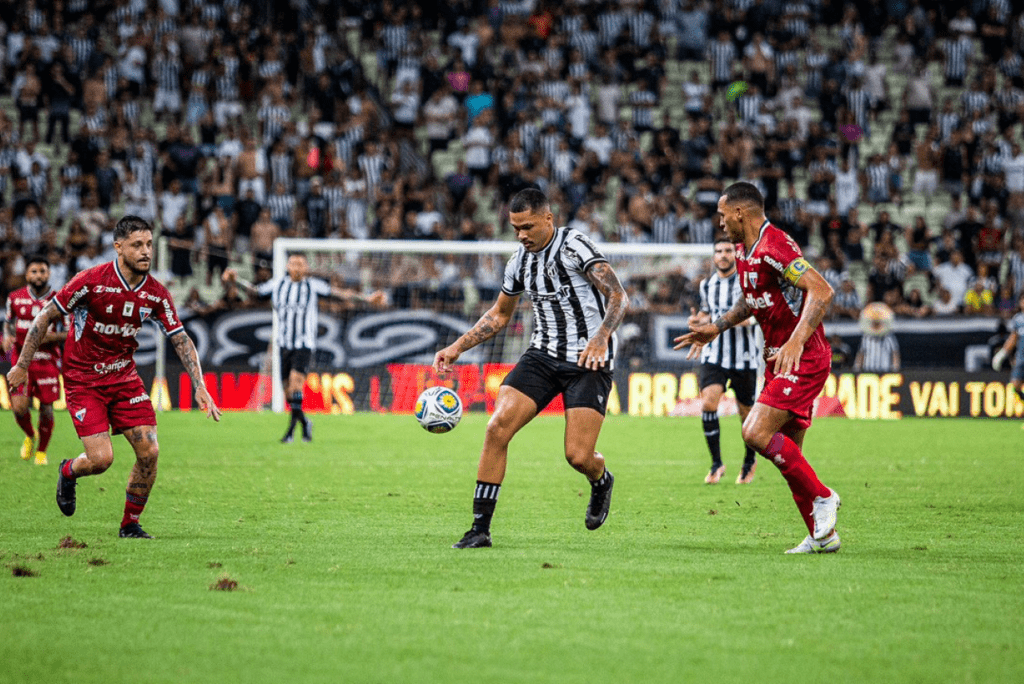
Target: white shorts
x,y
166,100
926,182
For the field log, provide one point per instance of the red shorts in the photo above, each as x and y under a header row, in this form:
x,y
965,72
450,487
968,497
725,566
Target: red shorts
x,y
43,382
796,391
97,409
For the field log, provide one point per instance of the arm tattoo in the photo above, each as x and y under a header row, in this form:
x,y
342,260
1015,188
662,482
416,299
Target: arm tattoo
x,y
36,331
487,327
734,316
189,358
607,283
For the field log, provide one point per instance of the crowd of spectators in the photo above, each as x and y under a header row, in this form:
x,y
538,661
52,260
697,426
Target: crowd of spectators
x,y
229,124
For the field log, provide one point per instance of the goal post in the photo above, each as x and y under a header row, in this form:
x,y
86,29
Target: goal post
x,y
454,280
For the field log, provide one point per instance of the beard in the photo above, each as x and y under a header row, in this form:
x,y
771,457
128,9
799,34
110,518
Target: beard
x,y
138,267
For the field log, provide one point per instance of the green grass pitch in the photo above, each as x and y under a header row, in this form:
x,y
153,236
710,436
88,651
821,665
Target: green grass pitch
x,y
341,554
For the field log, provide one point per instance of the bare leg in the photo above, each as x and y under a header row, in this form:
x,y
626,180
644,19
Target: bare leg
x,y
512,411
582,427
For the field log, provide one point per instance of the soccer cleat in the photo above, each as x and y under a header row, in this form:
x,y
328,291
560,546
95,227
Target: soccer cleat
x,y
809,545
823,513
307,431
473,540
600,503
28,447
715,474
746,475
65,491
133,531
287,439
41,458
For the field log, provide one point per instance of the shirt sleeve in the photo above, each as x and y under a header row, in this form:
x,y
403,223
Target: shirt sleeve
x,y
74,294
782,253
167,316
321,287
265,289
582,252
512,284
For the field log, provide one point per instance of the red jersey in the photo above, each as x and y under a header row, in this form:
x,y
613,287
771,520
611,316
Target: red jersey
x,y
22,308
106,314
775,302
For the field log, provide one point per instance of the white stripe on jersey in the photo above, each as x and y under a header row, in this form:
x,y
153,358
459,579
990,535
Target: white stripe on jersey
x,y
296,305
737,348
567,308
877,353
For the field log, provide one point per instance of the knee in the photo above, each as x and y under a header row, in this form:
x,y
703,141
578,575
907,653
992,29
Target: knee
x,y
499,430
755,437
101,460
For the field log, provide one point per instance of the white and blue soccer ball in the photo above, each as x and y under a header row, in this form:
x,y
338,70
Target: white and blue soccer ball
x,y
438,409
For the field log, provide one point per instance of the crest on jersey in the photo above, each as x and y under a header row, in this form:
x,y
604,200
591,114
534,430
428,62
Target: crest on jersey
x,y
80,415
144,312
752,278
128,308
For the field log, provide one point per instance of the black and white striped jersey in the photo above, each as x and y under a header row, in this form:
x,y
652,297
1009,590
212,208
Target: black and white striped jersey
x,y
737,348
567,308
877,353
296,306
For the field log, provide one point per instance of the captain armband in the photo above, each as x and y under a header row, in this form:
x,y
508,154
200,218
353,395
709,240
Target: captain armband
x,y
796,269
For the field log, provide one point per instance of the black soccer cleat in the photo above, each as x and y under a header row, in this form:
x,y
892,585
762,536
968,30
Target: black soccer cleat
x,y
65,491
307,431
287,439
473,540
600,504
133,531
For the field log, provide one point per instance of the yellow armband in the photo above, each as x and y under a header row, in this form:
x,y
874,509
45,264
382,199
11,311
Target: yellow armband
x,y
796,269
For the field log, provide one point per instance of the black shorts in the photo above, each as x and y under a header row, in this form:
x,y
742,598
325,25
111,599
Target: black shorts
x,y
743,382
543,378
295,360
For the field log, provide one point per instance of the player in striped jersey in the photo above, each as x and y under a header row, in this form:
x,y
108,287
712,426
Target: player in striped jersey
x,y
728,360
295,299
578,303
1015,340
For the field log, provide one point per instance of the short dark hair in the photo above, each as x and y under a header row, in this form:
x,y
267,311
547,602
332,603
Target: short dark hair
x,y
722,237
743,193
37,259
298,254
128,225
530,199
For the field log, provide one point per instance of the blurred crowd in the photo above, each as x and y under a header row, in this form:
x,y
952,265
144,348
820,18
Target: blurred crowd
x,y
884,134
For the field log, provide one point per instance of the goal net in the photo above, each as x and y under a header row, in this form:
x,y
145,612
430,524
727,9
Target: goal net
x,y
380,359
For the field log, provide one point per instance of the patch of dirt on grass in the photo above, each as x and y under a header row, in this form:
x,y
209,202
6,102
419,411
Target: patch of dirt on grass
x,y
70,543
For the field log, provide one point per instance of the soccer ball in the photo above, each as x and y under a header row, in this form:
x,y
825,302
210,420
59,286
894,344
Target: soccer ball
x,y
438,409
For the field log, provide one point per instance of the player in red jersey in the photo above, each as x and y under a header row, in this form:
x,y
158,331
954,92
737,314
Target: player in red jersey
x,y
106,305
789,300
43,371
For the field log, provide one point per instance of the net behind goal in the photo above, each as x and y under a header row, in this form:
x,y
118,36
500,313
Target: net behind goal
x,y
379,359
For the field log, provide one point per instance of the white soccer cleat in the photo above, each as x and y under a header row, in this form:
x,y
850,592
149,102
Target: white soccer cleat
x,y
809,545
823,512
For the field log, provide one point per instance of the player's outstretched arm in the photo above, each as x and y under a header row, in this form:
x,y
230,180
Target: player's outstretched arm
x,y
377,299
190,359
489,325
230,275
50,314
603,277
701,334
818,298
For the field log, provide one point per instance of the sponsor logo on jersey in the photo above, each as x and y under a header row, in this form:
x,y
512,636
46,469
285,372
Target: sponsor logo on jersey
x,y
79,293
139,399
774,263
115,330
104,368
129,307
788,377
46,381
107,289
762,302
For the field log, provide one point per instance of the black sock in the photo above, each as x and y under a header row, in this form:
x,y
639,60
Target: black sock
x,y
749,457
295,403
712,434
603,482
485,498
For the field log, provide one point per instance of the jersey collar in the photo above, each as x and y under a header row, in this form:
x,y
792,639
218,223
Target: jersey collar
x,y
129,288
41,296
760,234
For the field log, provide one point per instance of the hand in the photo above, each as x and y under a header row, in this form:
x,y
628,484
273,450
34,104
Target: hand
x,y
205,402
787,359
230,275
16,377
593,355
998,358
378,299
698,336
695,318
445,359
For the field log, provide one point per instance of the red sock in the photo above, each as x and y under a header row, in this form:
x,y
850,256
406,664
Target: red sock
x,y
133,506
25,423
45,431
800,476
66,470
